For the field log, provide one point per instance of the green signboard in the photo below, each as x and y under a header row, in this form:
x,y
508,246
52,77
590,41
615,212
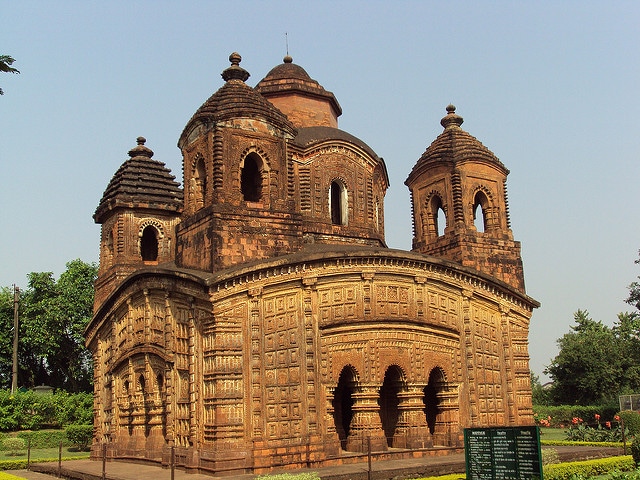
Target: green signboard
x,y
503,453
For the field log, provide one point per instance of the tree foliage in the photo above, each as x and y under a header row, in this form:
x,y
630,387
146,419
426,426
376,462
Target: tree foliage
x,y
5,66
634,291
596,363
53,315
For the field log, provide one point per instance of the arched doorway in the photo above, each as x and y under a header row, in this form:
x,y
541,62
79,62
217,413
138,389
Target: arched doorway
x,y
389,402
343,404
432,400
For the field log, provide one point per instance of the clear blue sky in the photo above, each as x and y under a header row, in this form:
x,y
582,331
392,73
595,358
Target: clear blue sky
x,y
551,87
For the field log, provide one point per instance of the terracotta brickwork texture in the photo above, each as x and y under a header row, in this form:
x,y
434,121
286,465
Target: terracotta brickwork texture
x,y
254,318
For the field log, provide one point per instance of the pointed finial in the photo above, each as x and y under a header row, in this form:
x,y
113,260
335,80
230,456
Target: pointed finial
x,y
235,71
451,119
140,150
235,59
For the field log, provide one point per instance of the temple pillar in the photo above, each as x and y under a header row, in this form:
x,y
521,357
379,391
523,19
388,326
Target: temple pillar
x,y
366,421
447,429
412,430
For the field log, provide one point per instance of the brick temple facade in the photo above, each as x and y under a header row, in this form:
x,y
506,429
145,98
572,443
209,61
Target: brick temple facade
x,y
254,317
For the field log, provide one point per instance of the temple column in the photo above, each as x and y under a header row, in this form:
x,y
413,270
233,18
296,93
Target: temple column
x,y
447,429
412,430
366,421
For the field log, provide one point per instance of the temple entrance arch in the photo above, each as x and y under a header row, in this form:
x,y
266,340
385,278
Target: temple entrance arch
x,y
343,404
389,401
432,398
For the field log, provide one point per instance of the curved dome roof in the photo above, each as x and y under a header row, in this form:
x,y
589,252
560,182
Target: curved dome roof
x,y
289,78
454,145
236,99
310,136
141,182
287,71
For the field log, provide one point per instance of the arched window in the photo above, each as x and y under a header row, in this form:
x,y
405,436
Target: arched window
x,y
338,203
480,208
149,244
438,215
251,178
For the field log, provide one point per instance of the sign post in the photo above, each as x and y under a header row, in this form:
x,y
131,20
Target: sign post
x,y
503,453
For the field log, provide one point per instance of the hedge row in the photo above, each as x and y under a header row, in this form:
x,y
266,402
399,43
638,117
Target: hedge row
x,y
32,411
573,443
562,415
589,468
41,438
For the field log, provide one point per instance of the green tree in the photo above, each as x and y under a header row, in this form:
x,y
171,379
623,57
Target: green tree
x,y
587,369
634,291
540,396
5,66
6,335
53,315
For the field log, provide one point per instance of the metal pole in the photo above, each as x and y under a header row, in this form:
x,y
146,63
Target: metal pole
x,y
14,376
104,461
28,452
173,462
369,458
60,460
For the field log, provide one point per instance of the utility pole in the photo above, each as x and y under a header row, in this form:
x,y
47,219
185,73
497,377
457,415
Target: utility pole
x,y
14,376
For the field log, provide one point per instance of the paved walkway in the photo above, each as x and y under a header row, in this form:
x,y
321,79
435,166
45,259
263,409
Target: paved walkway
x,y
386,469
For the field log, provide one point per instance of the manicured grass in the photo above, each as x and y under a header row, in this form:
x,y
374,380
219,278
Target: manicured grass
x,y
8,476
549,433
43,453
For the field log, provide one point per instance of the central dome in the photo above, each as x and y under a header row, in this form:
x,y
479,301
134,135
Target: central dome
x,y
307,104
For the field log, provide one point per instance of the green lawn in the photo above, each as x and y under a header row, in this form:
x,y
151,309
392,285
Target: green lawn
x,y
38,454
548,433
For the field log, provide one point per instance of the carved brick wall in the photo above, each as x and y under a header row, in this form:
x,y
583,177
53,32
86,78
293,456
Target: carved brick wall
x,y
247,375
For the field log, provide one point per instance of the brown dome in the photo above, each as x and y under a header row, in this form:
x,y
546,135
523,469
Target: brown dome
x,y
454,145
290,79
236,99
141,182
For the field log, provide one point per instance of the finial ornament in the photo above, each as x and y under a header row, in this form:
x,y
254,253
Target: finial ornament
x,y
451,119
235,71
140,150
235,59
288,59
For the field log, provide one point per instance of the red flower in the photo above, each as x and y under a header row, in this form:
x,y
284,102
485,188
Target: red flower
x,y
574,420
607,424
617,418
597,417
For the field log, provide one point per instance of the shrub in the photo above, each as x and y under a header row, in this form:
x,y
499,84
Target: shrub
x,y
550,456
562,415
290,476
588,468
631,421
31,411
45,438
79,435
635,450
13,444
